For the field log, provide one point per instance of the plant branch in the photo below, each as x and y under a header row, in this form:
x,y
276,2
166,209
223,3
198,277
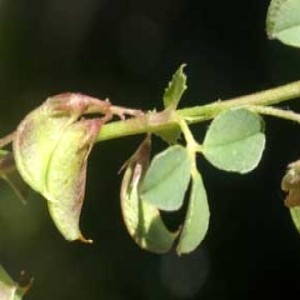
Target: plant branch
x,y
165,120
276,112
7,139
265,98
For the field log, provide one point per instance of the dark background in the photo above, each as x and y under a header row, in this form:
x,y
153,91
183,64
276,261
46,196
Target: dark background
x,y
127,51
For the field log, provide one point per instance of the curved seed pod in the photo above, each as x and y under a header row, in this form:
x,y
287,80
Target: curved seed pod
x,y
66,176
41,130
51,148
143,220
37,136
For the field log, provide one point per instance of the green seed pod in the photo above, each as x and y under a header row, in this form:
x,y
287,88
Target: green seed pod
x,y
38,135
51,148
66,176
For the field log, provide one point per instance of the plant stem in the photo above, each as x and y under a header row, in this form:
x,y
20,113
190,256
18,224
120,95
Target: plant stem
x,y
165,120
191,144
268,97
7,139
276,112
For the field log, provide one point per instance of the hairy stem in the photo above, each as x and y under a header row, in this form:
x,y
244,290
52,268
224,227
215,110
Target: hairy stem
x,y
276,112
160,121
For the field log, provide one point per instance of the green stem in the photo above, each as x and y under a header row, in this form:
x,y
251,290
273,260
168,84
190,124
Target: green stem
x,y
7,139
276,112
159,121
191,144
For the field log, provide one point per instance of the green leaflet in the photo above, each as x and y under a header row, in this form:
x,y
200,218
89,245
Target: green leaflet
x,y
235,141
283,21
143,220
197,218
167,179
175,89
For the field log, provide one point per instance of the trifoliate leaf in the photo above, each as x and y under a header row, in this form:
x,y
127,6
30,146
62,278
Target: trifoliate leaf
x,y
175,89
143,220
197,218
167,179
235,141
283,21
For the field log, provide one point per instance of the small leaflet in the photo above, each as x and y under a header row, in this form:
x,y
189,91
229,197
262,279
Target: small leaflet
x,y
197,218
235,141
167,179
175,89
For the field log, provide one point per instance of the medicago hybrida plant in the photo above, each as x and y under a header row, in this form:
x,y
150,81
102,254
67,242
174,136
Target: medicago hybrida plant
x,y
51,146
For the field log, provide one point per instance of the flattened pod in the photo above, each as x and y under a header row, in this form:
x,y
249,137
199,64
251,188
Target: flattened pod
x,y
66,176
